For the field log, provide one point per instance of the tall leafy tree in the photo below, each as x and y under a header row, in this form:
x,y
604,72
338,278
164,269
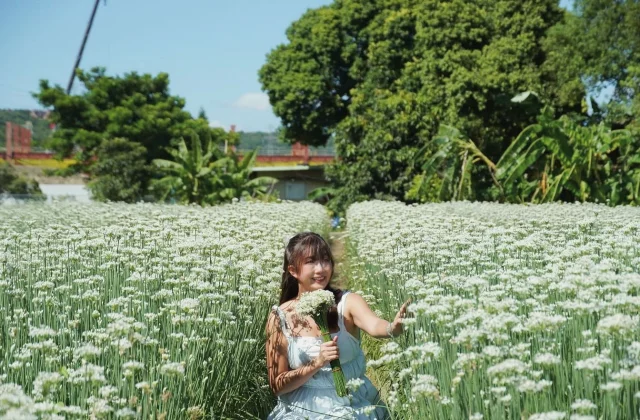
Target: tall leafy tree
x,y
190,174
309,80
380,76
559,159
552,159
597,47
120,172
447,171
135,107
203,175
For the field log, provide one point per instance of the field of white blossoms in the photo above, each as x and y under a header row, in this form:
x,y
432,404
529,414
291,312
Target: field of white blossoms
x,y
140,311
519,312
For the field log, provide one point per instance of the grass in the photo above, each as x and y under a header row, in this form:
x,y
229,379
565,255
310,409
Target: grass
x,y
45,163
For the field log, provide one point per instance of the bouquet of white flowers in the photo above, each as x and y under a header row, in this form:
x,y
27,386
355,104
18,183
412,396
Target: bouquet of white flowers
x,y
317,304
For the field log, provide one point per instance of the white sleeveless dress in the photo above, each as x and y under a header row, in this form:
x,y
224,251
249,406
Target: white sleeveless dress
x,y
317,398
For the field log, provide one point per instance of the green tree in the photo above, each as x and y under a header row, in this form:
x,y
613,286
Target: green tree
x,y
12,183
309,80
135,107
202,114
447,172
381,76
559,159
121,172
597,47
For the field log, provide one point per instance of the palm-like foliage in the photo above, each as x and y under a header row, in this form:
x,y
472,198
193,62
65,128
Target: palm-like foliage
x,y
235,182
448,168
553,159
191,174
561,159
207,176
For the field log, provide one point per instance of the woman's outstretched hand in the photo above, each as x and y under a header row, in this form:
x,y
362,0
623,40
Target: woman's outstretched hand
x,y
328,351
396,325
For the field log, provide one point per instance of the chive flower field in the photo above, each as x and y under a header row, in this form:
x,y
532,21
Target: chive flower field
x,y
518,312
140,311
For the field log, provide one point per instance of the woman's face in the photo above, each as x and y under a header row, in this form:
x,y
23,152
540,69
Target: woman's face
x,y
313,274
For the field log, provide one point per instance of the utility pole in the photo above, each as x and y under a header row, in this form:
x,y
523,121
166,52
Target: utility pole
x,y
84,42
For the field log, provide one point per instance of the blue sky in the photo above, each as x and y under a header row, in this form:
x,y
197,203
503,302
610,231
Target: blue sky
x,y
212,50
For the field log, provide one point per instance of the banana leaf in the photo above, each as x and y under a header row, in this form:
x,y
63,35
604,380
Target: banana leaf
x,y
519,164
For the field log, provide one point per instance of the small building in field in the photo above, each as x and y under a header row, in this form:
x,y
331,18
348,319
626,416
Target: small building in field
x,y
294,182
298,173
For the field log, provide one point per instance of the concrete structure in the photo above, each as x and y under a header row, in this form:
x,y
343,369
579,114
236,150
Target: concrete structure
x,y
304,173
294,182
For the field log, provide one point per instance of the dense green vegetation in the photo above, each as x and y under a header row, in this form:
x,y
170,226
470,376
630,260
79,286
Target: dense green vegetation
x,y
18,186
121,127
199,175
382,77
421,100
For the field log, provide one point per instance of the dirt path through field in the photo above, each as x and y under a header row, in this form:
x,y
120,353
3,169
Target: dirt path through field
x,y
336,240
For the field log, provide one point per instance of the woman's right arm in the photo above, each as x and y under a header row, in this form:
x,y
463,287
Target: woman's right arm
x,y
281,378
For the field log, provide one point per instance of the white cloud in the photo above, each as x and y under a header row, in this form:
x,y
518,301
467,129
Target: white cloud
x,y
253,100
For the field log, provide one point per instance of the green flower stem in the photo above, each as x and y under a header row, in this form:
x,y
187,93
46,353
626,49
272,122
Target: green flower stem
x,y
336,368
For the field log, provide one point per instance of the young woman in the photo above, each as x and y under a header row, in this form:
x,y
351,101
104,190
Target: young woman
x,y
297,358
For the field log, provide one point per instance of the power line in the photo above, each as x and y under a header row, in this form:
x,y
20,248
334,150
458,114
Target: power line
x,y
84,42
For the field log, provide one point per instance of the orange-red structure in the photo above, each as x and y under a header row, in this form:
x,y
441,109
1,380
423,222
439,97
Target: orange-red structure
x,y
18,140
299,155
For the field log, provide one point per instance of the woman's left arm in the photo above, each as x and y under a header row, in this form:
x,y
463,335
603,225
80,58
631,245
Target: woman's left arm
x,y
369,322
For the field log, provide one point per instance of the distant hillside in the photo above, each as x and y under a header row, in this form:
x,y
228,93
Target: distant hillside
x,y
266,141
248,140
41,129
251,140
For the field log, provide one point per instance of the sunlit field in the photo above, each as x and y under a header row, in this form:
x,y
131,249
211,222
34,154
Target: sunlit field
x,y
519,312
140,311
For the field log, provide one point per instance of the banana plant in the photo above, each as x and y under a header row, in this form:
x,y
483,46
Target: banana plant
x,y
528,153
553,159
235,180
448,168
561,159
191,175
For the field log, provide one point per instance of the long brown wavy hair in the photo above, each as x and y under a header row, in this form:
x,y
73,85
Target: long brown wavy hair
x,y
300,247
